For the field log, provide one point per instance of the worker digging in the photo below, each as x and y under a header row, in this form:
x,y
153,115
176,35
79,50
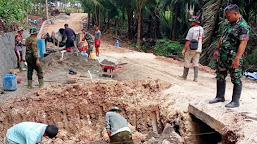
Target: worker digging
x,y
117,127
30,133
88,37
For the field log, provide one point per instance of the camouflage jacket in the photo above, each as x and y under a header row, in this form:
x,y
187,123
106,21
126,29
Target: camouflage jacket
x,y
88,37
31,46
231,37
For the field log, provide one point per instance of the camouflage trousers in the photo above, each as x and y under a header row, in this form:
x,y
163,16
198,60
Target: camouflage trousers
x,y
225,66
123,137
90,47
32,66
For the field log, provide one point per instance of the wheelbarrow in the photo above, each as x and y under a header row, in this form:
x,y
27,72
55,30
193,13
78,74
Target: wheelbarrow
x,y
108,69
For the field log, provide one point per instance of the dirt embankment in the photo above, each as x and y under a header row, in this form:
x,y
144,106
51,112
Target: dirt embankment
x,y
79,109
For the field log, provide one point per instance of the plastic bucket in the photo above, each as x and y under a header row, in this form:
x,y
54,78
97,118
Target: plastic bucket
x,y
41,48
10,82
84,54
92,55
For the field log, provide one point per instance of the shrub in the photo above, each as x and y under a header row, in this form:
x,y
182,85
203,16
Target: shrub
x,y
250,62
166,48
142,47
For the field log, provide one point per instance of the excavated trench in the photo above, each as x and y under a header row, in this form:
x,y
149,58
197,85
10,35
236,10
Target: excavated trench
x,y
79,111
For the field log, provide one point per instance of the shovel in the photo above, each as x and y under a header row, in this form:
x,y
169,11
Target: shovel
x,y
63,51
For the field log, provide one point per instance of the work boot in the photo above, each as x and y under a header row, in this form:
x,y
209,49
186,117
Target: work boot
x,y
236,96
195,74
30,84
220,97
185,73
20,66
41,82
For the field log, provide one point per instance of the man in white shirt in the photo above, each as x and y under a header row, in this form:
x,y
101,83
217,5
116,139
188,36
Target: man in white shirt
x,y
196,32
29,133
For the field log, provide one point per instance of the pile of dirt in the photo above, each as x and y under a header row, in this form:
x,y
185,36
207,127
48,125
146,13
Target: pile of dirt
x,y
106,62
71,61
79,109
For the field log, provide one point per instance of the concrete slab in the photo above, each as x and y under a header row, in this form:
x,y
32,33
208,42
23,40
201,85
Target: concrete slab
x,y
236,125
206,118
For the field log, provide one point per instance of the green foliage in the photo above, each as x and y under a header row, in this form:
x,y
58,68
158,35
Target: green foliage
x,y
14,11
222,25
166,48
250,61
142,47
133,45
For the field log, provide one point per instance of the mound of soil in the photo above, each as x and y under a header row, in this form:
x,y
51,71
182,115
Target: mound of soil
x,y
71,61
106,62
79,109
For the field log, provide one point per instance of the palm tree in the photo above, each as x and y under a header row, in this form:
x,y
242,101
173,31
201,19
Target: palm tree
x,y
140,4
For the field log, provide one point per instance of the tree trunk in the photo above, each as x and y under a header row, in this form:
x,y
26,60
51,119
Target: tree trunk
x,y
37,9
46,9
174,26
116,28
99,18
156,23
55,4
108,22
40,7
139,28
130,17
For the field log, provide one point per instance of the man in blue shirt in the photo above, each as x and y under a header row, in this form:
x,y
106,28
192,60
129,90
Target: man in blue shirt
x,y
29,133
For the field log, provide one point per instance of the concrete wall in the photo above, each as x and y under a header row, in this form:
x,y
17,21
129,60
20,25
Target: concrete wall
x,y
8,58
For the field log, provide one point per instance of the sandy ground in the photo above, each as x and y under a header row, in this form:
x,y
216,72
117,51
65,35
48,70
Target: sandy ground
x,y
181,93
74,22
175,100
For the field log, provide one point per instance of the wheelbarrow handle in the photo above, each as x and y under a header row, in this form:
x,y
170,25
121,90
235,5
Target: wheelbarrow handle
x,y
122,64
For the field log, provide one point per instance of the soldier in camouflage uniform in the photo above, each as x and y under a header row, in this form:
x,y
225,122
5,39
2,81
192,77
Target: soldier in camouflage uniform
x,y
90,41
229,55
32,58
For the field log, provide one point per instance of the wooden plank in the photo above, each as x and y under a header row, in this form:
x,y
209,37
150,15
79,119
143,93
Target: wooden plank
x,y
209,120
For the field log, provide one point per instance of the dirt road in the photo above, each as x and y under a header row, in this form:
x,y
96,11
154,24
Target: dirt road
x,y
181,93
74,22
